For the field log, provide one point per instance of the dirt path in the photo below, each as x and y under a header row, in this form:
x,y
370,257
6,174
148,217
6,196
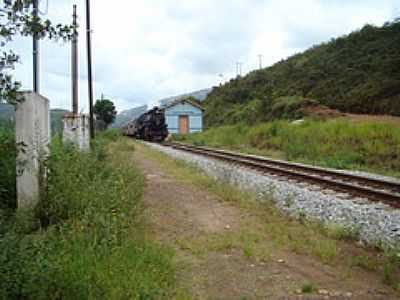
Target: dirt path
x,y
210,238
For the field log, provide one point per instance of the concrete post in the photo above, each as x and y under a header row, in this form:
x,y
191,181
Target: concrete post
x,y
76,126
32,133
76,130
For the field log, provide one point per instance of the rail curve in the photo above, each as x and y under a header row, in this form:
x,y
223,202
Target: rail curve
x,y
384,191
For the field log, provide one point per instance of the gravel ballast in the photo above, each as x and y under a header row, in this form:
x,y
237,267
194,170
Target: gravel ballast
x,y
376,223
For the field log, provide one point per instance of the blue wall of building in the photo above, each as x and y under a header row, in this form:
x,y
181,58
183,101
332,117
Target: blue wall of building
x,y
181,109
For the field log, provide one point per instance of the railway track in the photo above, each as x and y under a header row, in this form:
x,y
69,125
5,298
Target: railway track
x,y
355,185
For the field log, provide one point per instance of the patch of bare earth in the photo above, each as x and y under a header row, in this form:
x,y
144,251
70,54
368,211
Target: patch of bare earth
x,y
320,111
358,118
210,238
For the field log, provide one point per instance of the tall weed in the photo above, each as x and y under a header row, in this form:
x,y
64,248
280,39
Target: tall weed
x,y
88,241
7,167
336,143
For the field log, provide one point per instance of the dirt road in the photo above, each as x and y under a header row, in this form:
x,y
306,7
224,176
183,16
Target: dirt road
x,y
224,252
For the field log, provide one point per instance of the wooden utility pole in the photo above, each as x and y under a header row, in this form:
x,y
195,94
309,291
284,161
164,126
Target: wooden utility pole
x,y
35,48
74,67
89,58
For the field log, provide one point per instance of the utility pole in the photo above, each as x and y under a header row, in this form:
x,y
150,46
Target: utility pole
x,y
89,58
239,69
35,47
74,57
260,56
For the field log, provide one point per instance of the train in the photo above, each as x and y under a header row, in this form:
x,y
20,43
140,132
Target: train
x,y
150,126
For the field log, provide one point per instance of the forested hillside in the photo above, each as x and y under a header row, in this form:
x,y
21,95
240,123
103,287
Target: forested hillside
x,y
7,115
357,73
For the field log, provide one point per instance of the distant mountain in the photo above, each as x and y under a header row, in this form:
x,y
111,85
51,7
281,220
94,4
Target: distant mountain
x,y
128,115
199,95
7,114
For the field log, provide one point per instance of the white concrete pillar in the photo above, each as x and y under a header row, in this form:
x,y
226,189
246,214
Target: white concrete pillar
x,y
76,130
32,133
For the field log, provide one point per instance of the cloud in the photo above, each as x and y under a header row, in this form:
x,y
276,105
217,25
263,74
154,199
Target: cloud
x,y
147,50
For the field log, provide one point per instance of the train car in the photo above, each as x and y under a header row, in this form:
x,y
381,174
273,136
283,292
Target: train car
x,y
150,126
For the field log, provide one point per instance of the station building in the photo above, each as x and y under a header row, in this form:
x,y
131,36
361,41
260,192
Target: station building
x,y
184,116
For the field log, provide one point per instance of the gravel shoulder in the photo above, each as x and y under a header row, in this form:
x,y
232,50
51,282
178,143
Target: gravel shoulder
x,y
231,250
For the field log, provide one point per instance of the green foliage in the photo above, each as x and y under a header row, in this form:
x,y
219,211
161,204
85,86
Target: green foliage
x,y
17,18
356,73
56,123
105,111
85,240
391,269
7,166
334,143
308,288
289,107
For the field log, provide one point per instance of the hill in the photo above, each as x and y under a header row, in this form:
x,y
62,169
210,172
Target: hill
x,y
357,73
200,95
7,114
127,115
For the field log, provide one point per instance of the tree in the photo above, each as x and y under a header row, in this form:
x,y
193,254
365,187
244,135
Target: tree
x,y
105,111
17,19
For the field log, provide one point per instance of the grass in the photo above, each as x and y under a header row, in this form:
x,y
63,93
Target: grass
x,y
87,237
365,262
336,143
272,233
308,288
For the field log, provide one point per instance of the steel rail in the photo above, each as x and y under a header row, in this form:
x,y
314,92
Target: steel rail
x,y
378,190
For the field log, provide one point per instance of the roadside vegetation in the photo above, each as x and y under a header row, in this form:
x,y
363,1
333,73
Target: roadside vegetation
x,y
86,239
355,73
266,237
336,143
7,166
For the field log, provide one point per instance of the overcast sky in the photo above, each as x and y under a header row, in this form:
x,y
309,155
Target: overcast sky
x,y
144,50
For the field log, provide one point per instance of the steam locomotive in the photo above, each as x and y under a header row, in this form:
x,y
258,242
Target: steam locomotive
x,y
150,126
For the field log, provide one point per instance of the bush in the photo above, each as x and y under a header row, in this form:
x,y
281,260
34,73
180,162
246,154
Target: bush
x,y
336,143
356,73
85,239
7,167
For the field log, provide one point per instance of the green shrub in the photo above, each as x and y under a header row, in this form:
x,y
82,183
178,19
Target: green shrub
x,y
288,107
308,288
7,167
336,143
90,242
355,73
